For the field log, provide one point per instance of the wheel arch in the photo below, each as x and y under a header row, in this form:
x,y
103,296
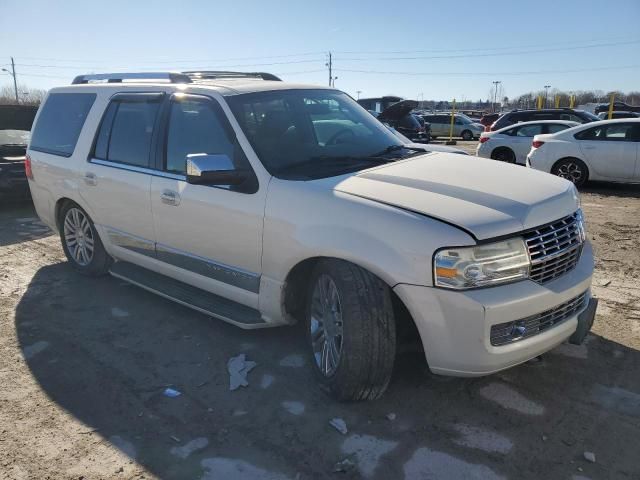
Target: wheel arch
x,y
295,289
572,157
502,148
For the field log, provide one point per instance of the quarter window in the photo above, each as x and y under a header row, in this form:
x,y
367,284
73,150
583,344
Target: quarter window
x,y
556,127
60,122
126,131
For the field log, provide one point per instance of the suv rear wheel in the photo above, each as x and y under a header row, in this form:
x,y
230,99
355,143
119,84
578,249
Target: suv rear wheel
x,y
467,135
81,243
351,330
572,169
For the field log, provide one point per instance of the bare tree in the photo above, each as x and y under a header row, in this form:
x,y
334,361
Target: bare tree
x,y
26,95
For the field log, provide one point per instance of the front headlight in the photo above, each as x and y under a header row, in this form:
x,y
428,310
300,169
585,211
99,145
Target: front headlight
x,y
482,265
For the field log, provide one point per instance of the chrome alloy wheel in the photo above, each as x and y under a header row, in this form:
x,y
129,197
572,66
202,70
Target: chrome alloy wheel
x,y
570,171
326,325
78,236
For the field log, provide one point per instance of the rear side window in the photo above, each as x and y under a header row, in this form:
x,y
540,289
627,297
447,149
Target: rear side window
x,y
126,131
556,127
60,122
617,132
529,131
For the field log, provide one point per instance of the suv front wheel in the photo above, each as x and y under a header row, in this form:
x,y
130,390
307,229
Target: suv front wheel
x,y
81,242
351,330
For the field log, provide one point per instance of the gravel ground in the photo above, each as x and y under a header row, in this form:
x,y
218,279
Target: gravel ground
x,y
84,364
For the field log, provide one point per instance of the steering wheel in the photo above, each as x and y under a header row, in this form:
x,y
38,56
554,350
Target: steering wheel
x,y
338,134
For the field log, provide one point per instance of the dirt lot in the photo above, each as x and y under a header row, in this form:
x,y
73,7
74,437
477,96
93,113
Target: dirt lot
x,y
84,363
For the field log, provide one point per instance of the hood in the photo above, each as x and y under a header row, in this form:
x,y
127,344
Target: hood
x,y
431,147
398,110
484,197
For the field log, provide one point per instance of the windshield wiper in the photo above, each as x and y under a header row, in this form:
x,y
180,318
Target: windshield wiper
x,y
330,161
395,148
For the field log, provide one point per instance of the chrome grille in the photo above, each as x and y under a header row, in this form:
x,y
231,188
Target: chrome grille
x,y
555,248
504,333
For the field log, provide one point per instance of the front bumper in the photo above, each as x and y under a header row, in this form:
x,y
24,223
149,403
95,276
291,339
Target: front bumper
x,y
455,326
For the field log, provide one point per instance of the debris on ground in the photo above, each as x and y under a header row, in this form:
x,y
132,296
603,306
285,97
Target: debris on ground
x,y
294,408
238,368
339,424
391,416
171,392
605,283
344,466
294,360
590,457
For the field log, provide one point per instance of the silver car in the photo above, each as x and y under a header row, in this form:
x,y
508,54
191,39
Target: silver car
x,y
463,126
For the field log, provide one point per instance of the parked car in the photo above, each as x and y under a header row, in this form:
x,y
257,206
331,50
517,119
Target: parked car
x,y
605,150
622,106
516,116
399,117
15,127
618,114
462,127
512,144
262,203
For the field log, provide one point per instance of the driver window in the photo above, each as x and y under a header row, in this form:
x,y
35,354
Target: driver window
x,y
529,131
195,126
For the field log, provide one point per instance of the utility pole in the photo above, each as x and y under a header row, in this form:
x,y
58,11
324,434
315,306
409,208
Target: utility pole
x,y
330,65
546,93
495,93
358,92
13,74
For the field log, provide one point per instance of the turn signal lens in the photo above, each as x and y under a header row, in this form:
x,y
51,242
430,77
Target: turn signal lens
x,y
484,139
537,144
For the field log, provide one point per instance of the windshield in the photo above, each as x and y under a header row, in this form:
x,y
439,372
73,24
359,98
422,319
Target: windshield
x,y
14,137
304,134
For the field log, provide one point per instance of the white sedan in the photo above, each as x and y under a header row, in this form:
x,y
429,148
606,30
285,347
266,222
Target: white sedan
x,y
511,144
608,150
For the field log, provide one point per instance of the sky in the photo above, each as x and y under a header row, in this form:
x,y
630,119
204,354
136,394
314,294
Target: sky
x,y
415,49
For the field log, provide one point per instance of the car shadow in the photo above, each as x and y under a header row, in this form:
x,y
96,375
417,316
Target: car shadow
x,y
19,223
105,352
607,189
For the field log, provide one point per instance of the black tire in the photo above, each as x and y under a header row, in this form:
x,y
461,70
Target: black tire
x,y
99,261
503,154
467,135
572,169
368,340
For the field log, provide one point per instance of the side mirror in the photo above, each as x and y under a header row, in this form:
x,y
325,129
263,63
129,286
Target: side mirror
x,y
213,169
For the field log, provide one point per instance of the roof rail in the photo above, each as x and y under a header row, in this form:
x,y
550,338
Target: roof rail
x,y
171,77
221,74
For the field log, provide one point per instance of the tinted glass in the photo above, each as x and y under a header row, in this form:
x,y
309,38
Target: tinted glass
x,y
614,132
131,131
409,121
60,122
556,127
196,126
300,134
529,131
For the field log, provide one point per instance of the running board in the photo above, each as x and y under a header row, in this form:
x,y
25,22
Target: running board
x,y
189,296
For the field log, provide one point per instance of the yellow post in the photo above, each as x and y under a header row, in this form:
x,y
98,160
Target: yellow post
x,y
572,101
539,105
453,114
557,101
613,97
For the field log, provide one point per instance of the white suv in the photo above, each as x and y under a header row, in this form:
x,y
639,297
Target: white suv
x,y
262,203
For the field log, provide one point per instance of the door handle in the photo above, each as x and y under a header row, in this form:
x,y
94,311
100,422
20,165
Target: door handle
x,y
90,179
169,197
589,147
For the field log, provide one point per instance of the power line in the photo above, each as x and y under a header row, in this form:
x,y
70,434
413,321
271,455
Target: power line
x,y
538,72
498,54
480,49
171,62
76,67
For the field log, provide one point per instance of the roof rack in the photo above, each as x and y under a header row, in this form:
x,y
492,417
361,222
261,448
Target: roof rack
x,y
221,74
171,77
